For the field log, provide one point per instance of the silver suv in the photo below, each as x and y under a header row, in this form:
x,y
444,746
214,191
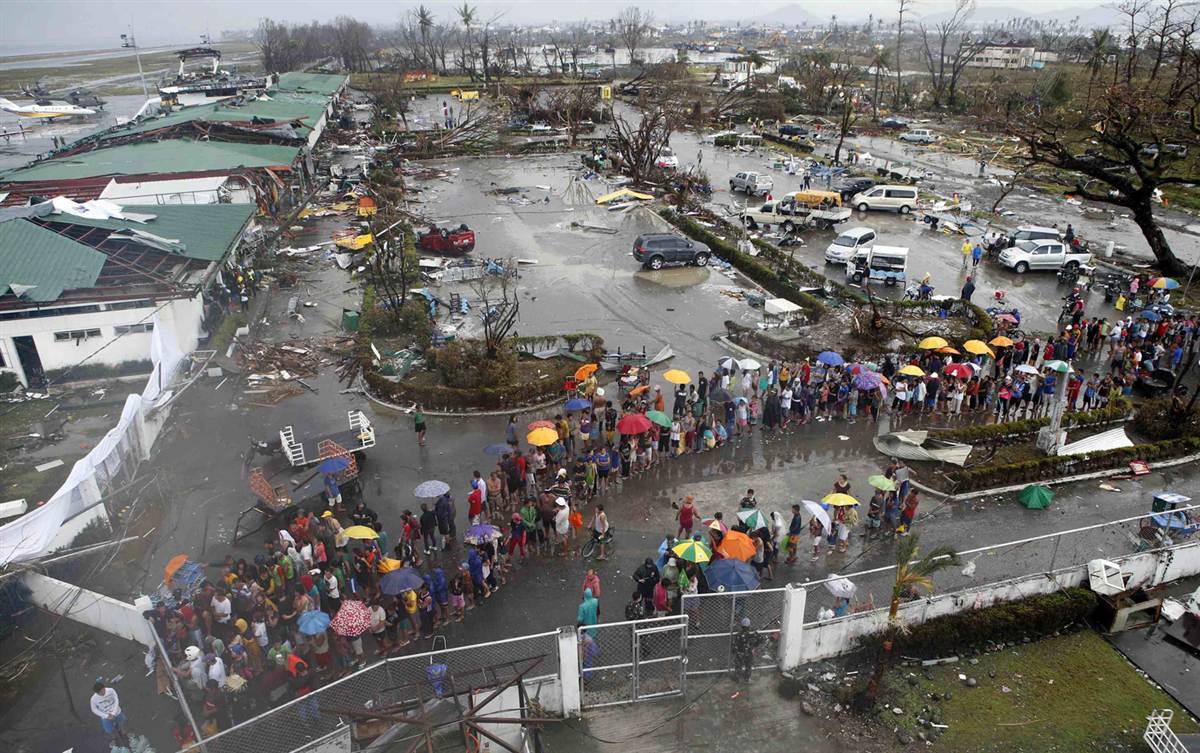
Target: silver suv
x,y
754,184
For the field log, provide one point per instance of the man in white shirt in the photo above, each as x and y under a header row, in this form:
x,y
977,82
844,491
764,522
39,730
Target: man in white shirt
x,y
107,706
216,669
562,524
222,607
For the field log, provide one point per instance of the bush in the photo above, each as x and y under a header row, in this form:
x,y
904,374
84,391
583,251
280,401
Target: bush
x,y
1116,410
1034,617
440,397
1155,419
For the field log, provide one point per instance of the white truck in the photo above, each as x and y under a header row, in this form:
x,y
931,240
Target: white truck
x,y
822,209
1043,254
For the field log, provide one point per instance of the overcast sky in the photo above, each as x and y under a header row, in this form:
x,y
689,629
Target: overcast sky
x,y
32,25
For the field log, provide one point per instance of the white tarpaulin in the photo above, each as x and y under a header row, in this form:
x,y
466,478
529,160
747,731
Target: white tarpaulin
x,y
95,474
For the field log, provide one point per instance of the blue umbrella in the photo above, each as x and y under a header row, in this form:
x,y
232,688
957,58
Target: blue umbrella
x,y
313,622
399,581
1150,314
497,449
333,465
577,403
829,358
481,532
431,489
732,575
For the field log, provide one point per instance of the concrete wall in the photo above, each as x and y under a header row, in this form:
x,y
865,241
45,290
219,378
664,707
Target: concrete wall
x,y
90,608
822,640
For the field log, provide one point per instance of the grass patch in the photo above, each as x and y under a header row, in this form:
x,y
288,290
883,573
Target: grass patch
x,y
224,333
1072,693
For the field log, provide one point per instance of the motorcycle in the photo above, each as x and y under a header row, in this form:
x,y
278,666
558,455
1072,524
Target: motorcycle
x,y
266,447
1068,275
918,292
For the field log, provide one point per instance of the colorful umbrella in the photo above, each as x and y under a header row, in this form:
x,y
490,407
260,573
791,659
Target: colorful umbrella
x,y
541,437
978,348
829,358
633,423
482,532
361,532
749,364
731,575
352,619
840,587
932,343
692,551
818,512
837,499
333,465
911,370
543,423
577,403
958,370
312,622
497,449
737,545
1164,283
754,519
398,581
1036,496
431,489
868,380
1000,341
660,418
715,524
677,376
882,483
586,370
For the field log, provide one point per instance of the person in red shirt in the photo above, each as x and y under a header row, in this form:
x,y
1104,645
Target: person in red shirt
x,y
474,505
909,513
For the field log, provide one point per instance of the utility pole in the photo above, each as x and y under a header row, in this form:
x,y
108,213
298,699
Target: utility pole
x,y
127,40
1049,438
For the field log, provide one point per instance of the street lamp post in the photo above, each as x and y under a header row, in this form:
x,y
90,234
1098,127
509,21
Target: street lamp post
x,y
127,40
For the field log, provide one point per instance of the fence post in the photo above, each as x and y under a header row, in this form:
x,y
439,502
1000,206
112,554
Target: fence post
x,y
791,627
568,672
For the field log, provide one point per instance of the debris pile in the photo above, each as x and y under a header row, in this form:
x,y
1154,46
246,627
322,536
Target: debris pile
x,y
277,372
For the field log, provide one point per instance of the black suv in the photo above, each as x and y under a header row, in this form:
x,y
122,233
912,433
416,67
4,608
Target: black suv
x,y
851,187
656,250
792,129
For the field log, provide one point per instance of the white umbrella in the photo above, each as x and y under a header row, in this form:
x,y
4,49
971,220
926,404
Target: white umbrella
x,y
749,364
842,588
728,362
818,512
1026,369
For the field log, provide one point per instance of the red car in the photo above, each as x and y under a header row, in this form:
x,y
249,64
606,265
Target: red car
x,y
447,241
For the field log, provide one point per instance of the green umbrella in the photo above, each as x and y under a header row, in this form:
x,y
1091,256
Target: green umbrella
x,y
754,519
1062,367
882,483
1036,496
660,418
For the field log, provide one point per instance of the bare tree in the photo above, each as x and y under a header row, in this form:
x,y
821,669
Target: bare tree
x,y
951,48
389,95
902,8
499,306
632,26
1011,185
879,63
391,259
570,106
638,143
353,43
846,120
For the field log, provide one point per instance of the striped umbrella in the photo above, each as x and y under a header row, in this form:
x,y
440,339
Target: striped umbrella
x,y
754,519
692,551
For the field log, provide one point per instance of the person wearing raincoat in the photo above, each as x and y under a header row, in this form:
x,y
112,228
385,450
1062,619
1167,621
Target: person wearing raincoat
x,y
589,611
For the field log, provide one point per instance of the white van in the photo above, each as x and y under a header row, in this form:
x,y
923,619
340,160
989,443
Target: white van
x,y
900,198
847,244
919,136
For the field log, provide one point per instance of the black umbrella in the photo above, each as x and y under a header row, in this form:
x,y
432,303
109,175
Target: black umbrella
x,y
721,396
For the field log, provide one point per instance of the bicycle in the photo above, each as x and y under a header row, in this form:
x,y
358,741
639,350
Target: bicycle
x,y
592,545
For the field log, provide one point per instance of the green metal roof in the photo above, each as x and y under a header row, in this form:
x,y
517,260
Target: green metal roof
x,y
206,232
284,106
32,255
320,83
156,157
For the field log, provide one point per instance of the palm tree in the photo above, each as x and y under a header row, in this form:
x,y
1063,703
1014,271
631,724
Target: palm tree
x,y
880,63
753,59
466,14
1098,51
425,23
912,576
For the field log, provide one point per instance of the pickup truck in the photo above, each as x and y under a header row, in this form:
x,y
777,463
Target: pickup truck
x,y
797,210
1044,254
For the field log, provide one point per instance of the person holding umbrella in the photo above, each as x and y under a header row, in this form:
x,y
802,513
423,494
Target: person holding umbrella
x,y
743,643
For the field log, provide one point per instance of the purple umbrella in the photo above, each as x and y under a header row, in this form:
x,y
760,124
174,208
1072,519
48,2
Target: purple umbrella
x,y
481,532
399,581
829,358
868,380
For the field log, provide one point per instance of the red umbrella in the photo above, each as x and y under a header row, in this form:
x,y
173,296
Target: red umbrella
x,y
633,423
541,424
959,370
352,620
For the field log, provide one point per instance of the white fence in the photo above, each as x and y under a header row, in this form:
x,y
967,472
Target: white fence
x,y
114,458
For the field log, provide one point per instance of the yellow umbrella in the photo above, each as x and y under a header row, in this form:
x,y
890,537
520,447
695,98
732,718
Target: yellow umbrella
x,y
388,564
977,347
837,499
948,350
677,376
586,370
911,370
692,551
930,343
1000,341
542,437
361,532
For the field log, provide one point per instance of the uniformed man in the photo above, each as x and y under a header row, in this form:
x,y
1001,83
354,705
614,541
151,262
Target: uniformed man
x,y
744,643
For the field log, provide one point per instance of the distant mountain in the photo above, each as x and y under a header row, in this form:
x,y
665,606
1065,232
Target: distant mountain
x,y
792,14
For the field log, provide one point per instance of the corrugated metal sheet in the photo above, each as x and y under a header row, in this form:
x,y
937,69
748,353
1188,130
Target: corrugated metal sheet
x,y
34,256
283,106
1105,440
156,157
207,231
320,83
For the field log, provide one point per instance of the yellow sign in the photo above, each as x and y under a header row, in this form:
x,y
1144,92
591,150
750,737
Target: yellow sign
x,y
464,95
605,92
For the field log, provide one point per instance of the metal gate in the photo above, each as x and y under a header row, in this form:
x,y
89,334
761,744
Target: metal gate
x,y
621,662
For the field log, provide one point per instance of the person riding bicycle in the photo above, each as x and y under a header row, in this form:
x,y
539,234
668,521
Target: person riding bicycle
x,y
600,530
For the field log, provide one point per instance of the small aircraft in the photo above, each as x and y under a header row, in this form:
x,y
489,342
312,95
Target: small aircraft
x,y
47,111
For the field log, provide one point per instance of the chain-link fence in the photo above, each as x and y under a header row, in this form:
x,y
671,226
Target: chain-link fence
x,y
421,677
714,617
620,662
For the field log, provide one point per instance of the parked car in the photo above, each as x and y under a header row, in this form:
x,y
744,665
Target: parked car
x,y
667,159
893,122
850,187
1045,254
848,243
443,240
792,129
1175,150
1034,233
919,136
900,198
656,250
753,184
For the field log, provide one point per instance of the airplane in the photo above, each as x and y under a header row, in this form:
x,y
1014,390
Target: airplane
x,y
46,111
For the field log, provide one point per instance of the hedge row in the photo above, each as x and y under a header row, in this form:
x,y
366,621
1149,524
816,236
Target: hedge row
x,y
1056,467
439,397
1034,617
1116,410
